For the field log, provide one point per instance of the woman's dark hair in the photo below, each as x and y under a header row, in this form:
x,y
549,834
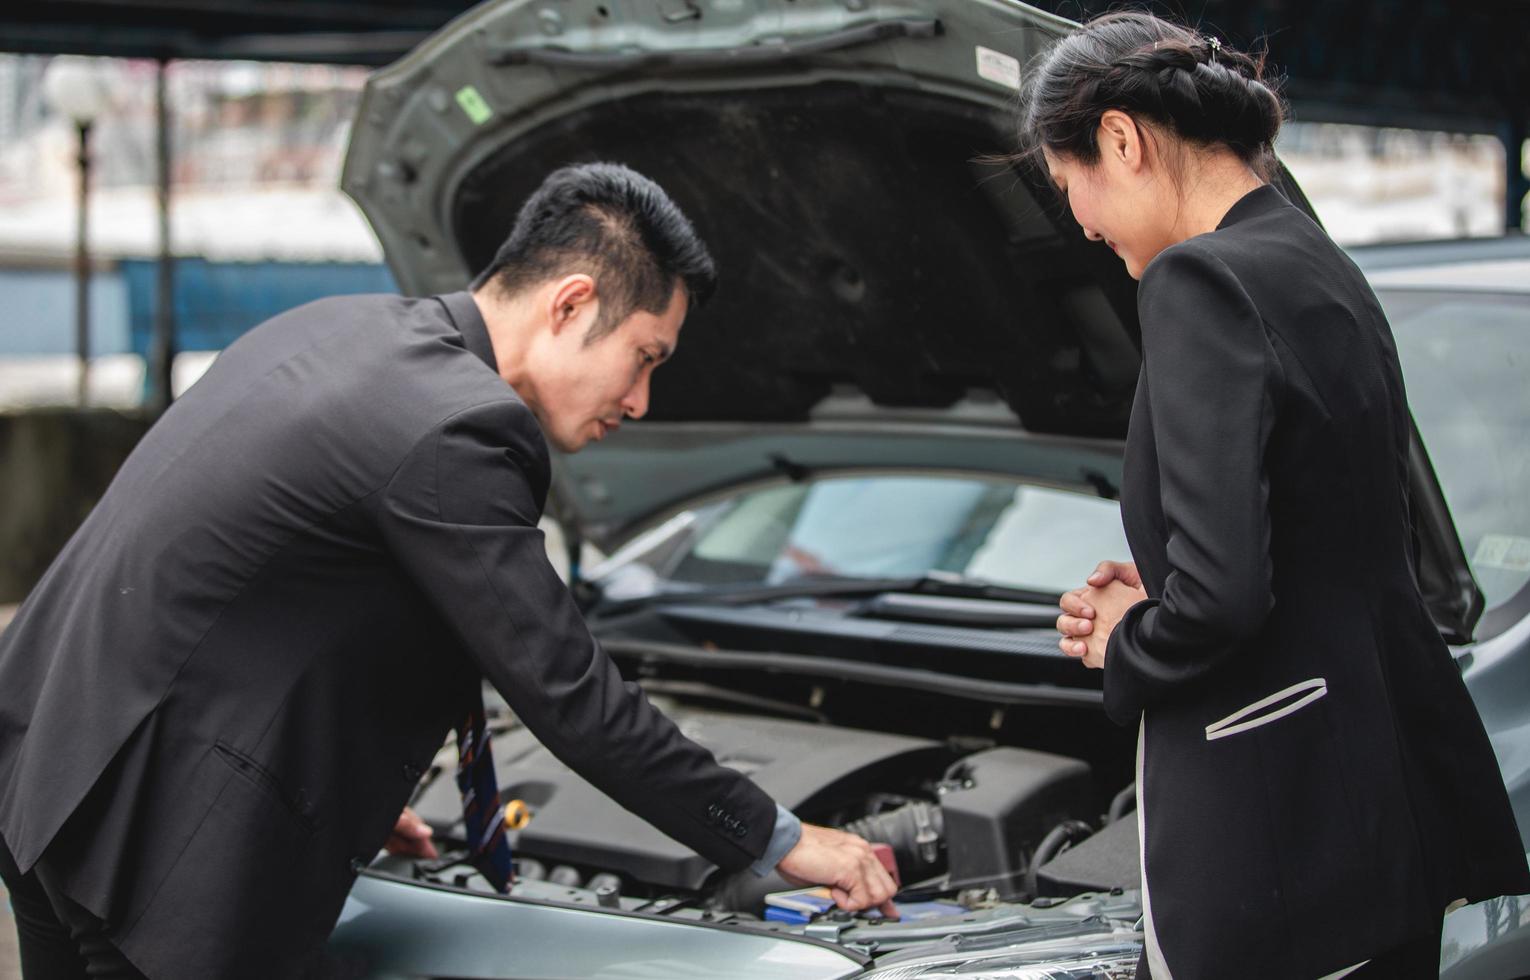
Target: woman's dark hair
x,y
1189,85
615,224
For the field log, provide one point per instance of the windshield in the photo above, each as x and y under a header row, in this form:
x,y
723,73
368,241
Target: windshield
x,y
1465,358
880,526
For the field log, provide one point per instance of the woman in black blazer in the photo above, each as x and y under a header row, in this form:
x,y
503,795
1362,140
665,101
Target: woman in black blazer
x,y
1314,784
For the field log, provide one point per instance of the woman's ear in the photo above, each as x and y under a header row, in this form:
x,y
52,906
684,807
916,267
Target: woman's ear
x,y
1121,140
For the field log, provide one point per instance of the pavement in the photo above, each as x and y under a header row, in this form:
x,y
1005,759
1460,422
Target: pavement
x,y
10,967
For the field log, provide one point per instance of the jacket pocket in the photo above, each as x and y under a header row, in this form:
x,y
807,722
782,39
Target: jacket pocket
x,y
256,774
1268,709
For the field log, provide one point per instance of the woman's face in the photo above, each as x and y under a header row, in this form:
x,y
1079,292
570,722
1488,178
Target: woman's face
x,y
1121,199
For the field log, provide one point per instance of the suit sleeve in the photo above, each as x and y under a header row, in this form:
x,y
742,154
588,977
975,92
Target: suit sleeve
x,y
1212,382
460,515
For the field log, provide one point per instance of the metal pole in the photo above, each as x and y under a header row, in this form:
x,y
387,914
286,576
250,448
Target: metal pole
x,y
1517,186
162,345
82,269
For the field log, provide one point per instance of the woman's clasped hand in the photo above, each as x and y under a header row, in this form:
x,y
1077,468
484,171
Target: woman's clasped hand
x,y
1091,612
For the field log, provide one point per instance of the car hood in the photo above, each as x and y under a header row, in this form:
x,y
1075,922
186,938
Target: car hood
x,y
835,155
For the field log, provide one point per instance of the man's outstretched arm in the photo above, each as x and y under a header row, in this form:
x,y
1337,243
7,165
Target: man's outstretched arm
x,y
460,516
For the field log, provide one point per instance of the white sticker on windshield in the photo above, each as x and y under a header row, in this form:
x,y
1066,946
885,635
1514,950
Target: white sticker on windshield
x,y
996,66
1503,551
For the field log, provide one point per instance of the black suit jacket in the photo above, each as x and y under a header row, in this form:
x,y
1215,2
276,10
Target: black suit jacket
x,y
217,700
1315,784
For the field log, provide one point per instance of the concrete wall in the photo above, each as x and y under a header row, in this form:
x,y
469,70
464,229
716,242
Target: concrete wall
x,y
54,466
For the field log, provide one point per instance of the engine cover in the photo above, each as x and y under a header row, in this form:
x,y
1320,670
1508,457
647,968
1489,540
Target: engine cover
x,y
805,767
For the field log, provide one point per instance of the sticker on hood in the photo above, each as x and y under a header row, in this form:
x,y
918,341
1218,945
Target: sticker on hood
x,y
996,66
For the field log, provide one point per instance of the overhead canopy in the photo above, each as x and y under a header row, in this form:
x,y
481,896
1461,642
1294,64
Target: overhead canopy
x,y
1423,64
355,32
1419,63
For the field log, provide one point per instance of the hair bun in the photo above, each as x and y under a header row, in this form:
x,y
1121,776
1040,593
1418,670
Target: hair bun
x,y
1208,93
1225,105
1250,112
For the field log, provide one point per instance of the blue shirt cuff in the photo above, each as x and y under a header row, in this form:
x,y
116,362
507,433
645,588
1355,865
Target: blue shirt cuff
x,y
785,837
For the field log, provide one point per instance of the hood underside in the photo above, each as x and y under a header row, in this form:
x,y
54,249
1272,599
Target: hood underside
x,y
860,247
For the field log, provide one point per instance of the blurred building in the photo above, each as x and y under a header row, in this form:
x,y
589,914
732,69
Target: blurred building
x,y
261,224
257,151
257,221
1373,184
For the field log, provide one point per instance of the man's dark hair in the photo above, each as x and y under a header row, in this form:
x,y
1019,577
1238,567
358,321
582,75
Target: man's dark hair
x,y
615,224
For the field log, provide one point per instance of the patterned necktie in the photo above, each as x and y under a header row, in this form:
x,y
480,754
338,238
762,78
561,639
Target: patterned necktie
x,y
482,822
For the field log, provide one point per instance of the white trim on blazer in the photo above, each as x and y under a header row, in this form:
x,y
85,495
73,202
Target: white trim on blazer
x,y
1316,687
1157,964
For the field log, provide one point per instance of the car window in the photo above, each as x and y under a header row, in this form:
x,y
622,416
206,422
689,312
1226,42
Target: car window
x,y
892,526
1466,362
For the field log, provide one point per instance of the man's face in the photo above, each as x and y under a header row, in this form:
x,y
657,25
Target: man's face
x,y
584,391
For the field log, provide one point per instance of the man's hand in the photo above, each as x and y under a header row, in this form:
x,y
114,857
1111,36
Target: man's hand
x,y
846,864
1092,612
411,837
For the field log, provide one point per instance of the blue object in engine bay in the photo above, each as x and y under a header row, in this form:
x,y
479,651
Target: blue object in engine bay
x,y
791,916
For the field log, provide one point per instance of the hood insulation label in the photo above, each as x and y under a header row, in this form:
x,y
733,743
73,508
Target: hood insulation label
x,y
996,66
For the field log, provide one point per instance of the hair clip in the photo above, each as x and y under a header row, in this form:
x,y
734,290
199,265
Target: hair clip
x,y
1215,44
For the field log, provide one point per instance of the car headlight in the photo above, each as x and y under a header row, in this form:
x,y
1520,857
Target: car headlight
x,y
1105,957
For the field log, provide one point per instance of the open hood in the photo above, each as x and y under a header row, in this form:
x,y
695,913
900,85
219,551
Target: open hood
x,y
832,154
827,152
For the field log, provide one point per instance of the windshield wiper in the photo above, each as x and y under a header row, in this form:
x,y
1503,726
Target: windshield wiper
x,y
952,610
931,584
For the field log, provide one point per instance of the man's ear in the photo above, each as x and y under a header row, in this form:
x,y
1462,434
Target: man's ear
x,y
572,301
1122,139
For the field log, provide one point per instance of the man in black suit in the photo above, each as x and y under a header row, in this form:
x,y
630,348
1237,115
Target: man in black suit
x,y
216,702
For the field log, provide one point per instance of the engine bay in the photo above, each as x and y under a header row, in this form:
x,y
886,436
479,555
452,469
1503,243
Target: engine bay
x,y
989,841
